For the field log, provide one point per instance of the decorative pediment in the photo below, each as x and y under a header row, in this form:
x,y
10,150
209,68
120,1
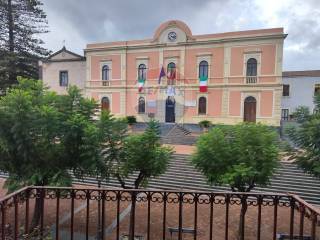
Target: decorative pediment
x,y
64,55
171,32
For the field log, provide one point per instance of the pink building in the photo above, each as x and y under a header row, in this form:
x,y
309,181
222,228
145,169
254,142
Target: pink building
x,y
176,76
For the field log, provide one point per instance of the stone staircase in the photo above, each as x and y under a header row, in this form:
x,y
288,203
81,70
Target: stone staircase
x,y
178,135
171,133
181,175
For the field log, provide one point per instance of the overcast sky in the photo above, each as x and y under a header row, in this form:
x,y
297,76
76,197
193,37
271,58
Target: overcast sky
x,y
79,22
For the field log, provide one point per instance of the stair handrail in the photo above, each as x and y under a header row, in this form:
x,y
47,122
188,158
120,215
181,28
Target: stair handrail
x,y
306,205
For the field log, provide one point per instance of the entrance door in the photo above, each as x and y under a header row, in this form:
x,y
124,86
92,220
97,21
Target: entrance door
x,y
249,112
105,104
170,109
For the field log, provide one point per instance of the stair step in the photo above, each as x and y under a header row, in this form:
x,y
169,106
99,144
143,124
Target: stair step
x,y
182,175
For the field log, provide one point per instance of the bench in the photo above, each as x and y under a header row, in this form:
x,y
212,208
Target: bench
x,y
281,236
183,230
136,237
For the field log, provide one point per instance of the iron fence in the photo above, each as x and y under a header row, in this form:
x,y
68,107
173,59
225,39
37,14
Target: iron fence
x,y
67,213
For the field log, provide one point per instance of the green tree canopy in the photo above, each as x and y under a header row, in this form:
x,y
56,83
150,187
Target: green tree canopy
x,y
242,156
43,135
301,114
28,136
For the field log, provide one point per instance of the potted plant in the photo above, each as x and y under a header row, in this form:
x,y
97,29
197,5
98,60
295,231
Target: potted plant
x,y
205,125
131,120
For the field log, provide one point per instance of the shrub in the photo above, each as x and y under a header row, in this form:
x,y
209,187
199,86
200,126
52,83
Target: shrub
x,y
131,120
205,124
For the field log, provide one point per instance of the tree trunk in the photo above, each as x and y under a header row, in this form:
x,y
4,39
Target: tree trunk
x,y
244,208
99,230
132,216
10,26
38,206
11,66
133,206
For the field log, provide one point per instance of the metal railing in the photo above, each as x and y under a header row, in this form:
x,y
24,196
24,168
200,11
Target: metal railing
x,y
154,214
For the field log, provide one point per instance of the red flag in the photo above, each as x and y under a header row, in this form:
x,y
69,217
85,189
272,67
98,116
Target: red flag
x,y
171,76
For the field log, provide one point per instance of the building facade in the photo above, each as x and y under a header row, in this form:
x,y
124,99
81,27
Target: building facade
x,y
299,88
176,76
63,69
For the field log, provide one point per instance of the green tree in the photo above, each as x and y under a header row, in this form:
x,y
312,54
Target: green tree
x,y
301,114
316,101
144,154
79,134
40,142
241,156
21,22
307,137
111,133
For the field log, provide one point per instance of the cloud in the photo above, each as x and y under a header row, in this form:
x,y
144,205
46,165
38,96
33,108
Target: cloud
x,y
86,21
301,20
101,20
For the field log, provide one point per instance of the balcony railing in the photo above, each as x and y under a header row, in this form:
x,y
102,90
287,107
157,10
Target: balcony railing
x,y
251,79
105,83
95,213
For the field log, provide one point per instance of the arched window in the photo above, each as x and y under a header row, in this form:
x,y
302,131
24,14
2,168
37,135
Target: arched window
x,y
202,105
141,105
171,68
142,72
105,104
171,73
105,72
203,69
252,67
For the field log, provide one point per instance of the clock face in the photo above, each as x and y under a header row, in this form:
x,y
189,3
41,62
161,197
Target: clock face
x,y
172,36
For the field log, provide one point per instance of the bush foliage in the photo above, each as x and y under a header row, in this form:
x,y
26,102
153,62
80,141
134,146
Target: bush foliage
x,y
205,124
131,120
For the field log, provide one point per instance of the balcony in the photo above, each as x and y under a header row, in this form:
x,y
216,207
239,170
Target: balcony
x,y
95,213
105,83
251,79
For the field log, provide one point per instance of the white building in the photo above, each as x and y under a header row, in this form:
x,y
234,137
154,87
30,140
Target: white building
x,y
63,69
299,88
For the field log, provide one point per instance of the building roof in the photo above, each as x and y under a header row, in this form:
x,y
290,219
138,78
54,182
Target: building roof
x,y
307,73
70,57
191,39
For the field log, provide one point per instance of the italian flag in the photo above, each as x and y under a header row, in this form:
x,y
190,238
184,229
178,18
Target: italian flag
x,y
140,84
203,84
